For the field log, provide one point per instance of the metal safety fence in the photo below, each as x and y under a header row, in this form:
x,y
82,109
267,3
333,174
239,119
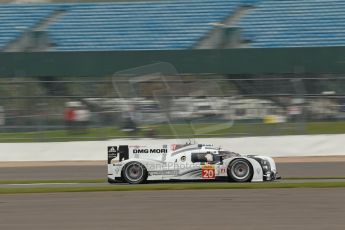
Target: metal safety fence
x,y
140,103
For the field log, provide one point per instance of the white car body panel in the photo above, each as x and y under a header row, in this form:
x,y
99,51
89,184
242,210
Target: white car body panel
x,y
165,163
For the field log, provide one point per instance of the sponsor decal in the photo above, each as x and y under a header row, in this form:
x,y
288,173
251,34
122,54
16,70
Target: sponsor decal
x,y
150,150
208,172
222,170
173,147
165,146
117,170
136,146
206,145
112,153
112,149
164,172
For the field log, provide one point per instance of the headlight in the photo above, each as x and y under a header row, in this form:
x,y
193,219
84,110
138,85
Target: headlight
x,y
265,166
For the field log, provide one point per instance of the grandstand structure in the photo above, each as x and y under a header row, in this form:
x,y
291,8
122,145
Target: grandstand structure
x,y
116,26
171,25
294,23
198,38
16,20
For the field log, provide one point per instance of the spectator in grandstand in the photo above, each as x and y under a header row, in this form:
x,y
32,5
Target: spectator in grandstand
x,y
294,112
2,116
342,106
69,116
129,124
82,118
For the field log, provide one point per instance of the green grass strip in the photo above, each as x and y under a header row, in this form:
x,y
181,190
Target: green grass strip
x,y
179,186
315,178
81,181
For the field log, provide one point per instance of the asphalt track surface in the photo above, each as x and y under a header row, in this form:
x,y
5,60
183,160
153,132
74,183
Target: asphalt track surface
x,y
268,209
301,169
284,209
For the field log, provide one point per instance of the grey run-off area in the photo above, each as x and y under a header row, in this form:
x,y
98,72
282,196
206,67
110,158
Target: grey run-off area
x,y
209,209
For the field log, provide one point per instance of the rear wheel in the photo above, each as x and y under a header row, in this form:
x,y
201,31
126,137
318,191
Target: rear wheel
x,y
134,173
240,170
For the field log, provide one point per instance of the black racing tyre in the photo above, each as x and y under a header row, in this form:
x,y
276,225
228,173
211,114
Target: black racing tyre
x,y
240,170
134,173
110,181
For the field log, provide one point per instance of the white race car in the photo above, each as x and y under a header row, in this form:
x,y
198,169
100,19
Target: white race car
x,y
139,164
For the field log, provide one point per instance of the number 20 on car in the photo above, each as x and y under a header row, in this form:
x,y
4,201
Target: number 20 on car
x,y
208,172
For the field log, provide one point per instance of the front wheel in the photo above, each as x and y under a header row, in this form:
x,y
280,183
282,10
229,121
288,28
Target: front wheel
x,y
134,173
240,170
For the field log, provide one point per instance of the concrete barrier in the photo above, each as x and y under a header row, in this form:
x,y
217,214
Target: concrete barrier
x,y
276,146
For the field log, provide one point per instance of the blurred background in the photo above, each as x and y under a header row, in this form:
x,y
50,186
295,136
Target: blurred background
x,y
158,99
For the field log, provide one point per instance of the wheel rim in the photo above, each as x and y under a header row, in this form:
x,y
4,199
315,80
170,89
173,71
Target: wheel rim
x,y
240,170
134,172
